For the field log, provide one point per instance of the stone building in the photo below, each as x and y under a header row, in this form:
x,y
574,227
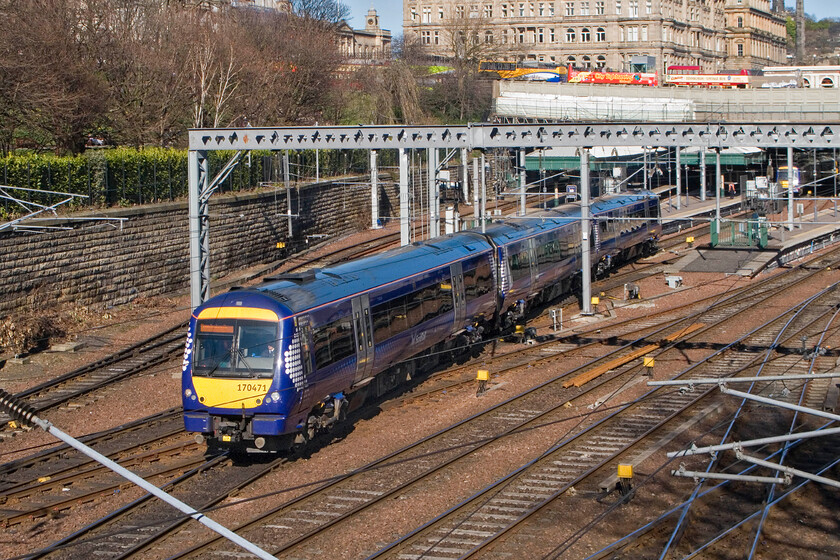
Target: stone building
x,y
370,43
712,34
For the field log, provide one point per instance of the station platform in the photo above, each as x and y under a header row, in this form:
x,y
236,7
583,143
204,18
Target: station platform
x,y
811,231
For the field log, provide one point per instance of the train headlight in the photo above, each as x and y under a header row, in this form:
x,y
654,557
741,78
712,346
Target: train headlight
x,y
188,393
275,396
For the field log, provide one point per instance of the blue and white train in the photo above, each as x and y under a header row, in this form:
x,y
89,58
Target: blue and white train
x,y
272,365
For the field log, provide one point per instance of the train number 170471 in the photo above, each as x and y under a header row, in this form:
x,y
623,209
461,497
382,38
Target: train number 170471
x,y
252,387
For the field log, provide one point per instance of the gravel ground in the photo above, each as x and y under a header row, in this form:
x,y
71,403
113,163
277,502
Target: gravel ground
x,y
364,441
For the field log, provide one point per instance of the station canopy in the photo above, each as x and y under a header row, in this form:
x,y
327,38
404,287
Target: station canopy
x,y
555,159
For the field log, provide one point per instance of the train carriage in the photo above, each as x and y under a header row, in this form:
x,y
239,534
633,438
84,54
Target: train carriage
x,y
335,331
274,364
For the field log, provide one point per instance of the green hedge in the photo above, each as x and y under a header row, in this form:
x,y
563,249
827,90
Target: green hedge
x,y
125,176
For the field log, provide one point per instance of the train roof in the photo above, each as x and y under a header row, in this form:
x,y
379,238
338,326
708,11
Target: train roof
x,y
511,229
302,291
310,289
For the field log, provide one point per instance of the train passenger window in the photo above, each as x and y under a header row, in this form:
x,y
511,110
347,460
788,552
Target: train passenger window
x,y
396,313
520,265
445,295
341,340
470,291
414,307
333,342
483,278
321,343
381,322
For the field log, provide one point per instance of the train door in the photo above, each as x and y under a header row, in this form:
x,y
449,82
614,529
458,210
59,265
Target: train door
x,y
364,337
460,301
532,259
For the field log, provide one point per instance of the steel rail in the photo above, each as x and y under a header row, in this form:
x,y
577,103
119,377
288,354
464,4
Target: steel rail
x,y
399,545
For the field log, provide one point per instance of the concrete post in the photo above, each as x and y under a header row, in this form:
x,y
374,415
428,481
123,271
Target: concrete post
x,y
476,189
483,194
702,174
522,181
405,221
585,226
790,187
288,190
374,190
679,179
465,186
434,193
718,187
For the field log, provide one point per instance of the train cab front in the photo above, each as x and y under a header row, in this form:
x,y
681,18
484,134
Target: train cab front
x,y
235,389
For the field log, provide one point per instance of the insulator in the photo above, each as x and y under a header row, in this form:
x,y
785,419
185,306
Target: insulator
x,y
18,410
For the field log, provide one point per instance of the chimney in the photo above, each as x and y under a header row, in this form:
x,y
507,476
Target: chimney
x,y
800,31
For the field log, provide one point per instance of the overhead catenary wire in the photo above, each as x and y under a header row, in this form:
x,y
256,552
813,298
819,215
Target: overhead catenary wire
x,y
24,413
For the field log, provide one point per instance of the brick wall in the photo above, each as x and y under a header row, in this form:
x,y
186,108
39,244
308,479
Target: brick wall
x,y
108,264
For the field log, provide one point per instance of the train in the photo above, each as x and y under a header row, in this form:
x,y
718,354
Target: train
x,y
270,367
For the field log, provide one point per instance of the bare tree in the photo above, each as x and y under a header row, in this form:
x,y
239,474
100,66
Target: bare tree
x,y
48,81
461,94
327,11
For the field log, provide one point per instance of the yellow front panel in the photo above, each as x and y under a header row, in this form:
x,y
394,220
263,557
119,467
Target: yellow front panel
x,y
254,313
231,393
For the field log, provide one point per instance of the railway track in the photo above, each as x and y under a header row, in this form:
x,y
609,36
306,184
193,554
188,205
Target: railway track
x,y
80,387
482,526
734,512
297,527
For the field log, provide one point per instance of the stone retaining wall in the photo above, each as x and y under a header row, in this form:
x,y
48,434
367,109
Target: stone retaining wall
x,y
108,264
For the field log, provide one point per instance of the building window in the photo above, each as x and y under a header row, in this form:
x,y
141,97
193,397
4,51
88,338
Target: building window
x,y
440,12
740,49
570,35
521,35
541,8
740,21
437,37
426,37
488,10
459,11
474,12
621,33
540,35
570,61
551,37
618,7
600,35
504,37
599,8
531,9
601,61
488,37
644,33
427,14
413,13
521,10
570,8
504,10
584,35
633,8
827,83
649,7
586,62
632,34
551,9
584,8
